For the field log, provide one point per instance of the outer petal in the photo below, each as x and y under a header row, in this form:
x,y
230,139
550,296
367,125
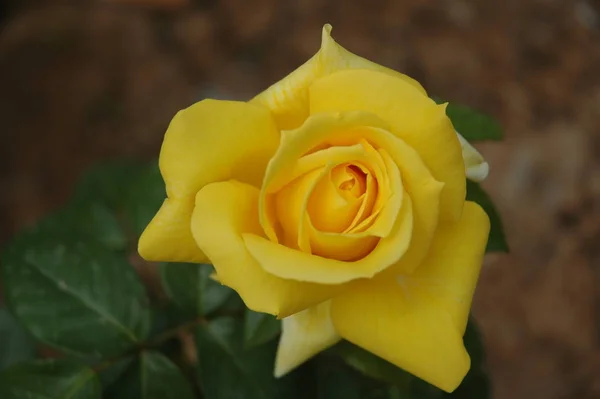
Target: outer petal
x,y
168,237
412,116
475,166
207,142
416,325
288,98
223,212
449,273
214,141
304,335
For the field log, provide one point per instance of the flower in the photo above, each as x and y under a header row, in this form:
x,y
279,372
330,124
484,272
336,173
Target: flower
x,y
335,200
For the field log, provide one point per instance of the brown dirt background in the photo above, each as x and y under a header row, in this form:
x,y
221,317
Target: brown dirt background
x,y
82,81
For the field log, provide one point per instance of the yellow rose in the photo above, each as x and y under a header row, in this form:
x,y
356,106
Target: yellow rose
x,y
335,200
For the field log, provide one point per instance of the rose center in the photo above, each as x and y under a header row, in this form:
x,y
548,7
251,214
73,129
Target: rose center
x,y
351,180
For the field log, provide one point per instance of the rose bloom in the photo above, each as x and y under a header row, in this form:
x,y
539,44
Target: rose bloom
x,y
335,200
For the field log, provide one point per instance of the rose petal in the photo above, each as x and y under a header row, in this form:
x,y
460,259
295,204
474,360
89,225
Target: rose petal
x,y
417,322
214,141
348,128
290,204
475,166
289,263
330,212
449,273
293,159
331,208
418,338
412,116
354,245
387,205
226,210
303,335
288,98
207,142
168,237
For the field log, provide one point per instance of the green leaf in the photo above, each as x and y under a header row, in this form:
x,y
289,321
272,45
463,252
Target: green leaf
x,y
133,191
371,365
192,290
228,370
497,239
339,381
260,328
77,297
16,345
471,124
233,305
153,376
108,183
85,221
144,197
109,375
49,379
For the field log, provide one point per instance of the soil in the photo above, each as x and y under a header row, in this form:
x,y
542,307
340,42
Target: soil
x,y
83,81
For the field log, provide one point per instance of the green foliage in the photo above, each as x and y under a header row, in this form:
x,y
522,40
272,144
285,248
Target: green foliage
x,y
497,239
259,328
152,376
15,344
70,284
92,221
45,379
75,296
229,370
338,382
110,183
143,198
191,290
471,124
371,365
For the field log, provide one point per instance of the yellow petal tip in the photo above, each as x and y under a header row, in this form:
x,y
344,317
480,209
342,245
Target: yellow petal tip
x,y
280,371
168,237
144,248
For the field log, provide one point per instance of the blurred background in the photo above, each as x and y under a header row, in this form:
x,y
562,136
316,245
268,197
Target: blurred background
x,y
84,81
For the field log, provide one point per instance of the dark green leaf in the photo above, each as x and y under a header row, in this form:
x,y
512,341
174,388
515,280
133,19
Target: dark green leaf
x,y
260,328
497,240
109,375
228,370
371,365
108,183
133,191
89,221
75,296
49,379
192,290
339,381
471,124
144,196
15,344
233,305
153,376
